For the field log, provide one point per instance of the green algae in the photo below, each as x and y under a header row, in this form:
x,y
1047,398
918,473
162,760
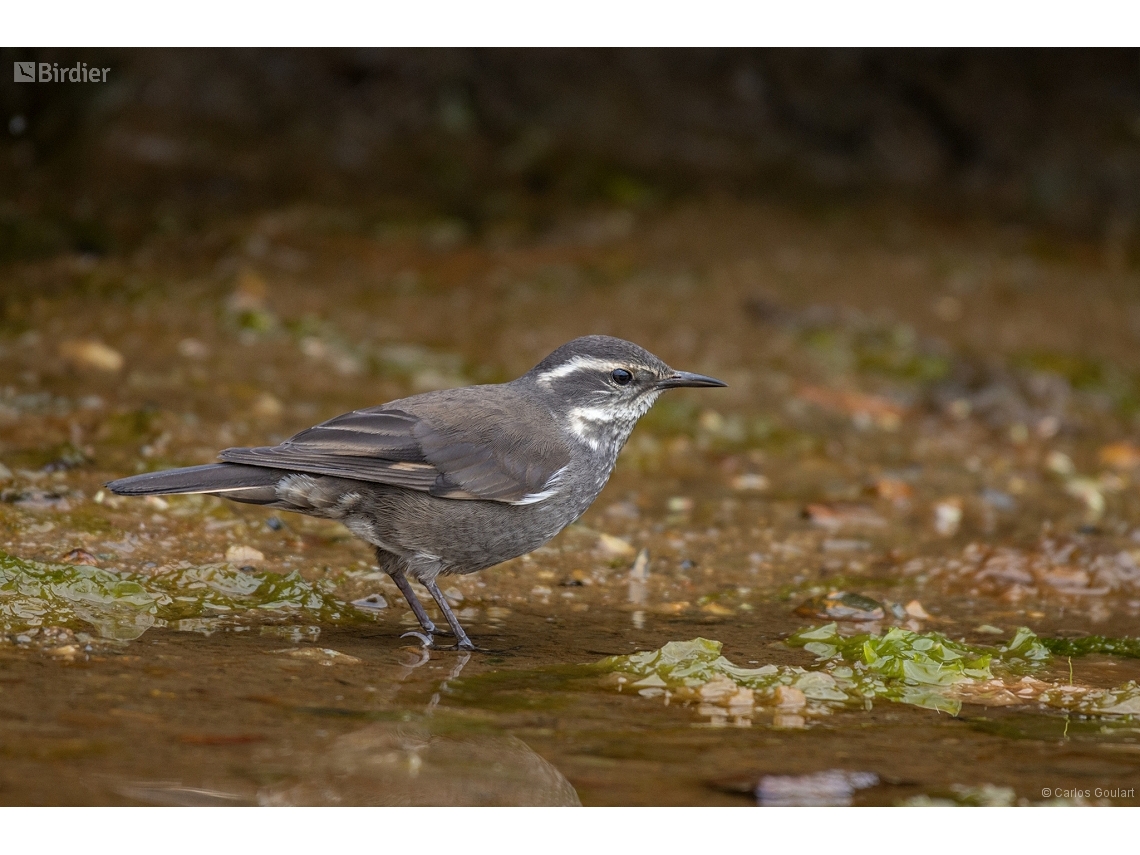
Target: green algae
x,y
1088,644
124,605
924,669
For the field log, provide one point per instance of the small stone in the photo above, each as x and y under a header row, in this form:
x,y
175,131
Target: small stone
x,y
81,557
1120,455
790,698
679,505
716,609
948,517
266,406
750,481
894,490
373,602
156,502
842,515
1060,463
841,605
320,655
915,610
243,555
717,690
90,355
614,546
191,348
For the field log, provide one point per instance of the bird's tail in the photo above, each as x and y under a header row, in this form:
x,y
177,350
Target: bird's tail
x,y
254,484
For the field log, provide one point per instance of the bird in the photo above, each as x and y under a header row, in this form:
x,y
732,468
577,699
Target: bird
x,y
452,481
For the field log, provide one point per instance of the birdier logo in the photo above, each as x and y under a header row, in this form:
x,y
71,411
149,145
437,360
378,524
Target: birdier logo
x,y
50,72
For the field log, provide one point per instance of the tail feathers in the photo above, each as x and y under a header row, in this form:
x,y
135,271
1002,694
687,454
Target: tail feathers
x,y
233,480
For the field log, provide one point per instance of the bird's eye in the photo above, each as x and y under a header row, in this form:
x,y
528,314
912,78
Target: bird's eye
x,y
621,376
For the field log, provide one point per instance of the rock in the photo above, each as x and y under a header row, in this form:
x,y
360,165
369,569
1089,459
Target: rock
x,y
679,505
841,605
915,610
1088,490
749,481
842,515
243,555
789,698
81,557
373,602
266,406
90,355
1120,455
1060,463
894,490
191,348
948,516
614,547
320,655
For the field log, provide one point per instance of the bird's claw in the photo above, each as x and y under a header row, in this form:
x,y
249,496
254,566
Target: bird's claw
x,y
426,640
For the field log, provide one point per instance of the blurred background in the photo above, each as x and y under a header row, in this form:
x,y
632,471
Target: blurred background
x,y
501,141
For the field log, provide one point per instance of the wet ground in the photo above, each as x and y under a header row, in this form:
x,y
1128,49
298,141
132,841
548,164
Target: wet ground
x,y
928,426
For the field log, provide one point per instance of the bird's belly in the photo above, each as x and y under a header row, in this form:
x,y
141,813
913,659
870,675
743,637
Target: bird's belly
x,y
463,535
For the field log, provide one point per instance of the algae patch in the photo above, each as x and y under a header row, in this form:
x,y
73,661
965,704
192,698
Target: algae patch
x,y
924,669
124,605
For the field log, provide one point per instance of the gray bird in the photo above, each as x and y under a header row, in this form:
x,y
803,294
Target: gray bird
x,y
458,480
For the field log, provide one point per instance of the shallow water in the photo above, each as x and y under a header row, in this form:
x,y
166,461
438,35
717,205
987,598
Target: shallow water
x,y
937,419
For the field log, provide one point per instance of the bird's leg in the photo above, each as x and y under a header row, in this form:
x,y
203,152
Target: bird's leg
x,y
405,587
462,641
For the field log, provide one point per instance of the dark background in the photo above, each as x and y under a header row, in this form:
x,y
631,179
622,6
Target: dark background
x,y
178,138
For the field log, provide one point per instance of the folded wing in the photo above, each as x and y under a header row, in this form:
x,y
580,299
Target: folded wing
x,y
484,457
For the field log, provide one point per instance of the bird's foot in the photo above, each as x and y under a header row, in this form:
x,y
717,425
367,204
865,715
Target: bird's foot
x,y
464,644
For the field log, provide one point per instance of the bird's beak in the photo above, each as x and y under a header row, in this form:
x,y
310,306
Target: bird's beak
x,y
685,378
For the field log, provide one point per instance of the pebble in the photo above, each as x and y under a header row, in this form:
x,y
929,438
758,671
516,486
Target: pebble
x,y
894,490
90,355
750,481
789,698
242,555
614,547
1120,455
915,610
81,557
679,505
373,602
948,517
320,655
841,605
842,514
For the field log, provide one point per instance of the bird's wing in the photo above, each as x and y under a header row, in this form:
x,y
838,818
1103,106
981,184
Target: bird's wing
x,y
484,456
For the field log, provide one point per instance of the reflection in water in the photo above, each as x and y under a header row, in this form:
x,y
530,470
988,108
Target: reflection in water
x,y
461,661
176,795
409,764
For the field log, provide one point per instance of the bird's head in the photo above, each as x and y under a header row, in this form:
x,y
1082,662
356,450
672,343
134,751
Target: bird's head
x,y
604,385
